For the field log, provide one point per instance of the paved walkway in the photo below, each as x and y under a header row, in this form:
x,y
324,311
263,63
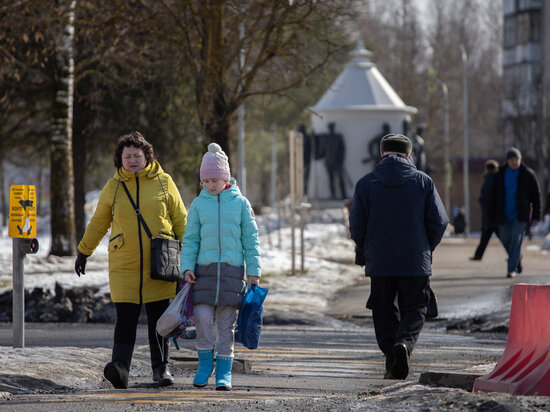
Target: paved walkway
x,y
318,368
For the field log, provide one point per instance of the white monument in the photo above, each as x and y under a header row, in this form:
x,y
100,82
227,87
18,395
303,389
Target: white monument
x,y
359,103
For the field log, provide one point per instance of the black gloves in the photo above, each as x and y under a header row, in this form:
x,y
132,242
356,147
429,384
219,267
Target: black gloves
x,y
359,257
80,264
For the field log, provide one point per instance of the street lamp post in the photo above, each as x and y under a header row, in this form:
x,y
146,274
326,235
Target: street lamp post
x,y
466,161
242,169
448,174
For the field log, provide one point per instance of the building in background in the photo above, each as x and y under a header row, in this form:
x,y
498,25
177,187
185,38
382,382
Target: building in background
x,y
526,81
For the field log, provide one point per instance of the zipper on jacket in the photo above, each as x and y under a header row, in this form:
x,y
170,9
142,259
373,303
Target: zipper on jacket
x,y
140,245
218,275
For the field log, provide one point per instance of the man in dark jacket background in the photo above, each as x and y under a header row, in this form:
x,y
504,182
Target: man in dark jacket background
x,y
397,219
514,201
487,230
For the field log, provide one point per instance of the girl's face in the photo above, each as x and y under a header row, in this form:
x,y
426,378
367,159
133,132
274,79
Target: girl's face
x,y
133,159
214,186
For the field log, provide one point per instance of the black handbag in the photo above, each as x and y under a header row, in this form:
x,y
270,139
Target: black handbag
x,y
165,252
431,311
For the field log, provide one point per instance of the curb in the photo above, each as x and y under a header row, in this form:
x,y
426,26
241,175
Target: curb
x,y
450,379
239,365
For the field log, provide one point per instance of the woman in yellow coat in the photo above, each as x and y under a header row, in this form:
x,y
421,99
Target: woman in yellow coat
x,y
160,204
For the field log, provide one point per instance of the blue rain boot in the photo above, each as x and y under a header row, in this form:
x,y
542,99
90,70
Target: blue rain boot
x,y
206,366
223,372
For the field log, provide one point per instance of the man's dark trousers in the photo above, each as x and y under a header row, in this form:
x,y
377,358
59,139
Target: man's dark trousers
x,y
398,310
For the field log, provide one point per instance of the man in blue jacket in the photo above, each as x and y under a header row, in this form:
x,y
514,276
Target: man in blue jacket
x,y
397,219
514,201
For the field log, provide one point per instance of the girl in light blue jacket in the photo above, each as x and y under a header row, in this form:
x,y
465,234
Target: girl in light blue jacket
x,y
220,246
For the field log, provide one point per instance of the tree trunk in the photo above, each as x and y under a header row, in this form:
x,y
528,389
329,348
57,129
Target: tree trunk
x,y
83,118
213,109
61,180
3,202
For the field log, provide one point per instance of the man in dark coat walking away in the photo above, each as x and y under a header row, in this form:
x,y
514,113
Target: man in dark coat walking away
x,y
487,230
514,201
397,219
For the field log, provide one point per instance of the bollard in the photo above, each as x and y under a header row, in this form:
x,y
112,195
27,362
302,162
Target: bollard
x,y
21,247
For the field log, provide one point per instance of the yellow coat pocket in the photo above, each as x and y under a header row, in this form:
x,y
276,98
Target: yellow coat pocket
x,y
115,243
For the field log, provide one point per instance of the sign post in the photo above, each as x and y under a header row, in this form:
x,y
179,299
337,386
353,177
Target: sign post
x,y
22,228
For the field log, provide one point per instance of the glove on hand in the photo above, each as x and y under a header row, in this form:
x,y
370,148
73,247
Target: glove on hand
x,y
359,257
80,264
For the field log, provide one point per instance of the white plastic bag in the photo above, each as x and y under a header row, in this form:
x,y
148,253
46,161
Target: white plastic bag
x,y
170,319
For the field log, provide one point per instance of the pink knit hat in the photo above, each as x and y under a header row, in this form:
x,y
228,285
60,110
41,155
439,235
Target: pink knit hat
x,y
214,164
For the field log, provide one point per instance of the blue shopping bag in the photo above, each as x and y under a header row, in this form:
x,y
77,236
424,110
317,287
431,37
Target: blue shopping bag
x,y
249,322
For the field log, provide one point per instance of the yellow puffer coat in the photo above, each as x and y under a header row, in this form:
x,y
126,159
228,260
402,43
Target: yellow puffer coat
x,y
129,247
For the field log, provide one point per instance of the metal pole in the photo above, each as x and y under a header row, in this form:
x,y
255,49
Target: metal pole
x,y
292,199
242,170
448,171
273,194
18,307
299,176
466,163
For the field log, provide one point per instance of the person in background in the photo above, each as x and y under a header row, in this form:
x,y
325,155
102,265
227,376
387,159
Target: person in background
x,y
131,286
487,230
396,221
514,199
220,245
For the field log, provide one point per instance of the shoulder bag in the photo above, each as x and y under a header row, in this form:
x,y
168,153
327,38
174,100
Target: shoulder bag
x,y
165,252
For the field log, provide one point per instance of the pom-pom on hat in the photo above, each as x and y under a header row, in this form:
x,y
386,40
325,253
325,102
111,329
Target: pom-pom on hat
x,y
396,143
215,164
513,152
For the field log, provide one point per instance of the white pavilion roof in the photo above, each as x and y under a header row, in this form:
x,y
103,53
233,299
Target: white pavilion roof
x,y
361,86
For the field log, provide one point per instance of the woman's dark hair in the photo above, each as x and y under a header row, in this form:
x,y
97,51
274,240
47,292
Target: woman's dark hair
x,y
137,140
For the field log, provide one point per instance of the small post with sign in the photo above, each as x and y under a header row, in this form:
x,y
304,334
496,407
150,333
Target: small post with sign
x,y
22,228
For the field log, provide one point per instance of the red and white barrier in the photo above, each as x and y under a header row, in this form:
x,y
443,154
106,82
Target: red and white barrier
x,y
524,367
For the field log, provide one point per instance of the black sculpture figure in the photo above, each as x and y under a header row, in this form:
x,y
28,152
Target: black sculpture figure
x,y
373,148
335,152
418,149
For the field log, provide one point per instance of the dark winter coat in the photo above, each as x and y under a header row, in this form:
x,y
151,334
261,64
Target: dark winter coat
x,y
484,198
528,196
397,219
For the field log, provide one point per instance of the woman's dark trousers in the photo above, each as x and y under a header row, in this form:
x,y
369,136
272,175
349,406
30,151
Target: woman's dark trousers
x,y
125,332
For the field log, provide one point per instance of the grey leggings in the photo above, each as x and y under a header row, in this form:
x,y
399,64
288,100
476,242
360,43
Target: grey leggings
x,y
223,318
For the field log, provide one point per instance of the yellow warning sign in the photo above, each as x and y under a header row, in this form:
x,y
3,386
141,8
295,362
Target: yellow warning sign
x,y
22,211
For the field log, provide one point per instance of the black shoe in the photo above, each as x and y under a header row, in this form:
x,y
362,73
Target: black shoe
x,y
475,258
117,374
400,368
520,267
162,376
388,375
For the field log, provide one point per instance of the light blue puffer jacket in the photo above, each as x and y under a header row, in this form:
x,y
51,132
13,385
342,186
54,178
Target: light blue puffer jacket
x,y
223,229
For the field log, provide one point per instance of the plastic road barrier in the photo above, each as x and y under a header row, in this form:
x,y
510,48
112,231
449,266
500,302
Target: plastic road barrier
x,y
524,367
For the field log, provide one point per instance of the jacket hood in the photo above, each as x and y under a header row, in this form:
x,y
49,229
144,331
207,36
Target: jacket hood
x,y
230,192
394,170
151,171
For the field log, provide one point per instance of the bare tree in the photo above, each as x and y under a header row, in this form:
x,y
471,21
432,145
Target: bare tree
x,y
233,50
61,181
37,51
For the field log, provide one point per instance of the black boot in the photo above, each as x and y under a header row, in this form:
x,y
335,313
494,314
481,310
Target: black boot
x,y
159,362
161,374
118,369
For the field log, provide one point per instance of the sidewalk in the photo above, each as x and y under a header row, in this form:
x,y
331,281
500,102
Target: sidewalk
x,y
298,367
